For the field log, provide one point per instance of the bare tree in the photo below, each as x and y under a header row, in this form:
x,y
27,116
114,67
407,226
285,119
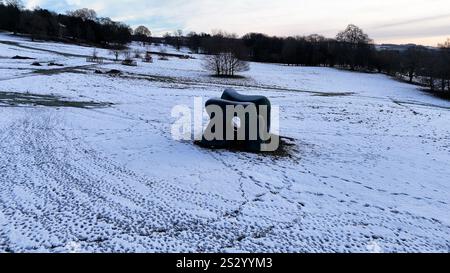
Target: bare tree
x,y
355,47
412,61
38,25
116,53
142,34
225,64
14,3
289,51
178,34
95,53
94,57
84,13
444,68
137,53
353,35
127,55
128,58
14,13
315,38
142,31
445,45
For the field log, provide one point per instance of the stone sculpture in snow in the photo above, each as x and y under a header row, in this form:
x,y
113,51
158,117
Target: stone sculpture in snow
x,y
239,121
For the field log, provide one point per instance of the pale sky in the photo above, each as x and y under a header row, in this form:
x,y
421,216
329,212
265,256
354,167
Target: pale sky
x,y
424,22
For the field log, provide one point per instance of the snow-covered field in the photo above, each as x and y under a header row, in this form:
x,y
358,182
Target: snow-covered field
x,y
370,170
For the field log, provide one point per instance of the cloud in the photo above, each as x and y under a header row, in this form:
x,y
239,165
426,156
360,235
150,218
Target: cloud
x,y
415,21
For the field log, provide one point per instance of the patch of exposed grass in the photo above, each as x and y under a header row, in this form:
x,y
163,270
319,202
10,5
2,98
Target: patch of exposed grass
x,y
18,57
287,148
55,71
13,99
228,76
331,94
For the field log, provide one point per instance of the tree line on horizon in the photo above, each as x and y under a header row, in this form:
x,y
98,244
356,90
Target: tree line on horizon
x,y
81,25
351,48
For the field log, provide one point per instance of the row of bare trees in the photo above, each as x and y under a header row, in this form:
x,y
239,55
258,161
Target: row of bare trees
x,y
81,25
225,64
351,49
429,67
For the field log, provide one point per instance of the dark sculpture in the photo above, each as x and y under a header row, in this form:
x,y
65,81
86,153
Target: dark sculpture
x,y
244,122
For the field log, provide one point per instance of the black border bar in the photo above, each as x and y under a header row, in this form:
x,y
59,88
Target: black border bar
x,y
225,262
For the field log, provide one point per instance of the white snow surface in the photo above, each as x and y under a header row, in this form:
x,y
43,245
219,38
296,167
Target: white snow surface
x,y
370,166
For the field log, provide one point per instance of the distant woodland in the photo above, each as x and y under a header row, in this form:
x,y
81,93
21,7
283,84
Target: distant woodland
x,y
351,49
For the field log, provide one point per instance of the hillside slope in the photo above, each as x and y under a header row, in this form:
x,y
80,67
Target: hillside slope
x,y
369,171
